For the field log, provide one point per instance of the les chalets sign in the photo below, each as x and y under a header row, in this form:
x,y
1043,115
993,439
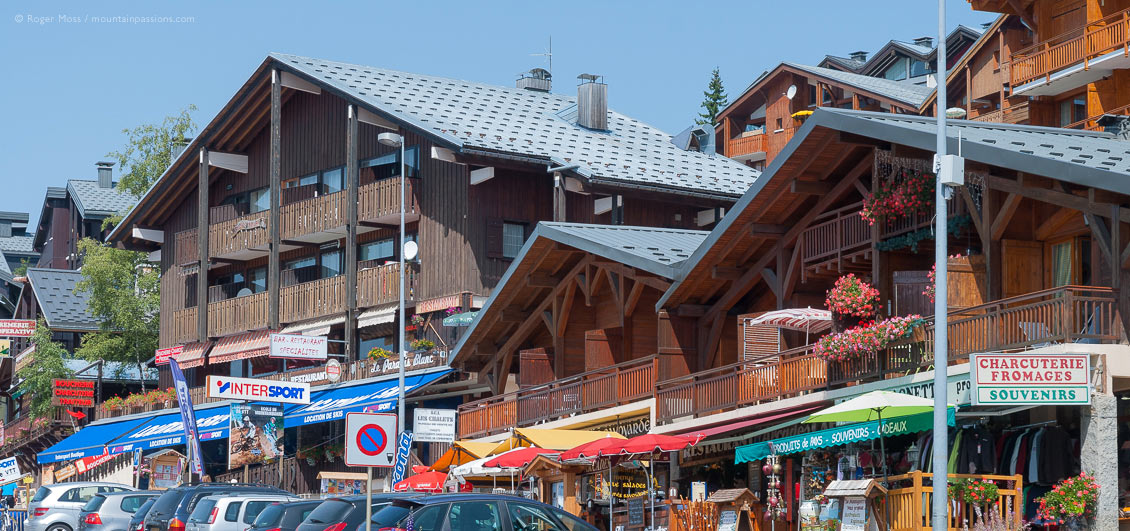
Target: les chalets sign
x,y
73,393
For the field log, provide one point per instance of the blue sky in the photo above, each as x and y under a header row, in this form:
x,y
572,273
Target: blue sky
x,y
78,72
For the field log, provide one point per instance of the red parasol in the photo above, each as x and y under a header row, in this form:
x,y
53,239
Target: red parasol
x,y
426,482
653,442
599,448
518,458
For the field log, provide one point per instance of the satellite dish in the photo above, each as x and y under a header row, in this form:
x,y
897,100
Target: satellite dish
x,y
931,81
243,292
791,93
411,249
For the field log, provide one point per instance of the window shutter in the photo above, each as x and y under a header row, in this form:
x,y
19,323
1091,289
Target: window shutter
x,y
494,238
190,291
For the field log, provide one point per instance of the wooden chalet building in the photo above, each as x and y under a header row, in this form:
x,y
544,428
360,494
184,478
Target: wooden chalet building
x,y
1044,255
905,61
74,212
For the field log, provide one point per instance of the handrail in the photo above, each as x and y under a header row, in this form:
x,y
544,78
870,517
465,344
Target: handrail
x,y
790,353
1072,34
562,382
1086,122
1074,46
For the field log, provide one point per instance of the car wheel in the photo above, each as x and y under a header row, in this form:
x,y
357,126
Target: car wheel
x,y
59,527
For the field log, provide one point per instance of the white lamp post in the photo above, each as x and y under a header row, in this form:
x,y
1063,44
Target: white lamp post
x,y
395,140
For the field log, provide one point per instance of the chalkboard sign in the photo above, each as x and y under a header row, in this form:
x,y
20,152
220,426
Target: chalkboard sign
x,y
635,513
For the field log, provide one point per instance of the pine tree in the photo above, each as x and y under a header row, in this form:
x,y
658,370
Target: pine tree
x,y
714,100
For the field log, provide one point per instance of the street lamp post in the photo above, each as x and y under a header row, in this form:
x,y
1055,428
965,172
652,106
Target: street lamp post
x,y
939,514
395,140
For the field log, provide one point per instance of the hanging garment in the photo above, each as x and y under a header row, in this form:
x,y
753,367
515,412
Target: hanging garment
x,y
978,451
952,465
1057,445
1034,455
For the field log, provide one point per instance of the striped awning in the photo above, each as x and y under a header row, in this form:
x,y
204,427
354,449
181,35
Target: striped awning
x,y
802,319
241,346
192,355
376,316
314,327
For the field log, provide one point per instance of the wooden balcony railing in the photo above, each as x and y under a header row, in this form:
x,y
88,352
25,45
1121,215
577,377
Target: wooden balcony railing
x,y
746,145
381,285
1091,123
185,248
1013,114
1080,45
309,216
239,234
238,314
183,326
616,385
310,300
381,199
911,499
740,384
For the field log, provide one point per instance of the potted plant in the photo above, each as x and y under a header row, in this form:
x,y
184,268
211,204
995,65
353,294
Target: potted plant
x,y
378,353
851,301
1071,503
974,491
114,403
906,194
423,345
865,339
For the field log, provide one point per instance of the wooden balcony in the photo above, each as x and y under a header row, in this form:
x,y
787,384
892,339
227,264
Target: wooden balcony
x,y
379,202
1015,114
620,384
310,300
761,147
242,238
236,315
1081,46
185,251
380,285
183,326
314,220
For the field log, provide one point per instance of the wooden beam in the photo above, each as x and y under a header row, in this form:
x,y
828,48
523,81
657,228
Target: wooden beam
x,y
541,280
1053,222
547,320
1023,188
202,251
771,281
514,315
726,273
1101,236
566,307
633,298
763,229
809,187
852,138
790,275
274,174
690,310
1024,14
1008,208
972,208
710,342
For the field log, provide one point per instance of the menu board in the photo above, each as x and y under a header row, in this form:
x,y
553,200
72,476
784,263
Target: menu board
x,y
855,514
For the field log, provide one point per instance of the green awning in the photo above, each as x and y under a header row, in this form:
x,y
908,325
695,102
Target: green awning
x,y
460,319
838,436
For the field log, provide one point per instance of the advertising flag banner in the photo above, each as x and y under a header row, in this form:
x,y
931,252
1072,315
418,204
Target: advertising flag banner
x,y
187,416
403,449
256,434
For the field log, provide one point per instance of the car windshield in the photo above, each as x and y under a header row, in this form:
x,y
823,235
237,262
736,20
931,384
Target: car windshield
x,y
131,504
270,517
253,509
41,494
94,504
167,503
330,511
389,515
202,511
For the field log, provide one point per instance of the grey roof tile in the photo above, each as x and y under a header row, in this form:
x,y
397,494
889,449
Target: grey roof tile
x,y
851,64
657,250
63,308
517,121
93,200
896,90
17,244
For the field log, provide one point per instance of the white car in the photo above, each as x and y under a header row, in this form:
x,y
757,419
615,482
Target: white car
x,y
231,513
56,507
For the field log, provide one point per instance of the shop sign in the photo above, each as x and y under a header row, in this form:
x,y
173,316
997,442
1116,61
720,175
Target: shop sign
x,y
73,393
229,388
434,425
163,354
331,372
89,462
855,514
626,484
1019,379
728,521
698,491
438,304
700,453
9,470
629,428
16,328
858,432
958,390
65,472
5,348
416,361
299,347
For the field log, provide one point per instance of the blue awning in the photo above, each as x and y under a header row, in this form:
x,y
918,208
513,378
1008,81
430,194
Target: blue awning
x,y
333,404
168,430
88,441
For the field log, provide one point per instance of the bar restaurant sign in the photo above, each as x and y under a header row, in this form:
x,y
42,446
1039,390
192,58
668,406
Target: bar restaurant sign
x,y
299,347
1021,379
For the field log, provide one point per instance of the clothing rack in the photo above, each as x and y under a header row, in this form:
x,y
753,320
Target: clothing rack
x,y
1034,425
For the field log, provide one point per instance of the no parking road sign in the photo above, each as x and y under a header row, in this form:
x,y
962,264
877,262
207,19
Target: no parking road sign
x,y
370,439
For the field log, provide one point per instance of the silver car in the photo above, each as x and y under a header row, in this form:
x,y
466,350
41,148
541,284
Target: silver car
x,y
112,511
56,507
224,512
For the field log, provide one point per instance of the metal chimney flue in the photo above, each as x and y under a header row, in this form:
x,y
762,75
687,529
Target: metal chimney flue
x,y
105,174
178,148
537,80
860,56
592,102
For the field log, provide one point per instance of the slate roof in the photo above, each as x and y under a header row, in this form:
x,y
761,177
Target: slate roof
x,y
17,244
62,307
94,201
472,115
902,91
851,64
655,250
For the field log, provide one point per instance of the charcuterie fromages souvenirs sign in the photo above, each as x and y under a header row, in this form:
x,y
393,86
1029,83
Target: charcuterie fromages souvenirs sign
x,y
1019,379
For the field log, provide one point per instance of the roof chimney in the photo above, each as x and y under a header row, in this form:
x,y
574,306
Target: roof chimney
x,y
592,102
105,174
178,148
538,80
925,41
860,56
1115,124
986,25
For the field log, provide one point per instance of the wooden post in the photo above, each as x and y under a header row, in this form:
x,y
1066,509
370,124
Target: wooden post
x,y
559,197
571,505
916,500
276,201
202,249
1115,247
351,177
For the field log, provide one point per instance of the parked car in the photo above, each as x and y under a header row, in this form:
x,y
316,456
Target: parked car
x,y
170,511
112,511
56,507
284,516
347,514
475,512
222,512
137,521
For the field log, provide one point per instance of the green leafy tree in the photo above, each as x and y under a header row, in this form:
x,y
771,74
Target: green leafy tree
x,y
123,289
38,377
149,150
22,269
714,100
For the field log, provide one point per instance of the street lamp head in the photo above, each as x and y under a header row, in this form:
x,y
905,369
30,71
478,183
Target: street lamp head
x,y
390,139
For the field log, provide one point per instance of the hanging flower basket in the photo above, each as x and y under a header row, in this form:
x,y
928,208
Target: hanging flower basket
x,y
1071,502
907,193
852,302
862,340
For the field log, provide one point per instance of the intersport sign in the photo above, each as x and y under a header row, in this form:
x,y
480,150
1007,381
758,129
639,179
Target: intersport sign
x,y
229,388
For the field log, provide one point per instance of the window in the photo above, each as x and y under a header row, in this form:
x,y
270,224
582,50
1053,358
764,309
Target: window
x,y
428,518
527,517
897,70
333,180
513,236
331,263
379,250
1072,110
249,202
202,511
94,504
232,512
257,279
253,509
299,263
81,494
812,90
388,165
474,516
919,68
131,504
260,200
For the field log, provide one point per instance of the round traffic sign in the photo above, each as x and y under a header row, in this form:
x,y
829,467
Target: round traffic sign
x,y
371,439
